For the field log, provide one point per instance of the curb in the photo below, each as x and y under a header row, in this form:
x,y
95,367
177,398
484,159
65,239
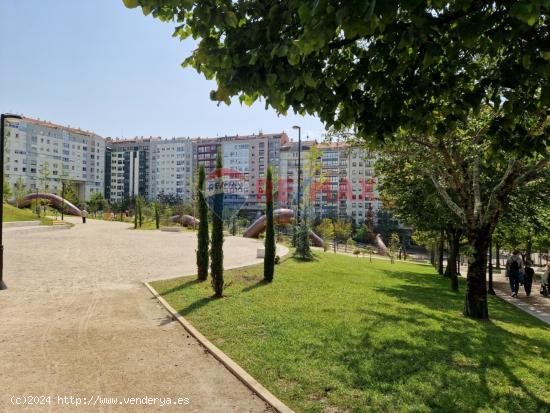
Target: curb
x,y
17,224
523,306
38,228
233,367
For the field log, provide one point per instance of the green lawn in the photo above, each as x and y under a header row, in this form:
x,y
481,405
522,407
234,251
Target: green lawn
x,y
342,334
12,214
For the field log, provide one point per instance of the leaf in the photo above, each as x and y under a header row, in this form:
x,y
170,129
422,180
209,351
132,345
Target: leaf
x,y
231,19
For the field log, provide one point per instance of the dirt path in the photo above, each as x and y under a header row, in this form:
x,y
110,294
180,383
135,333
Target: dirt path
x,y
76,321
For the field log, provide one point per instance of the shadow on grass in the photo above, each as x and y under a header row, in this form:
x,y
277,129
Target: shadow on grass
x,y
258,284
462,360
196,305
182,286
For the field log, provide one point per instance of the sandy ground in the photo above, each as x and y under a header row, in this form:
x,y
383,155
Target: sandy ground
x,y
77,321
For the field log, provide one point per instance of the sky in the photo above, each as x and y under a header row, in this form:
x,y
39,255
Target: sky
x,y
95,65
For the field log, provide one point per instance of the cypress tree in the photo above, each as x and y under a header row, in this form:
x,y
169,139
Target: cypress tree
x,y
140,208
216,251
203,237
269,256
135,213
157,214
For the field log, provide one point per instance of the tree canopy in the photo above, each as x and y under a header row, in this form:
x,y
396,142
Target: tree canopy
x,y
377,66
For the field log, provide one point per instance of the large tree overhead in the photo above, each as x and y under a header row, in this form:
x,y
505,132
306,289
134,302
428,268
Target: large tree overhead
x,y
377,66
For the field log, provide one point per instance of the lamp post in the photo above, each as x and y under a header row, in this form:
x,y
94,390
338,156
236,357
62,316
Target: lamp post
x,y
3,118
299,168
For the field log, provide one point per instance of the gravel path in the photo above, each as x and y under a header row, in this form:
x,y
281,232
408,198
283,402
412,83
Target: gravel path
x,y
77,321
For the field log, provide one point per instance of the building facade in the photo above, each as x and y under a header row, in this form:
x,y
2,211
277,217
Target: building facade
x,y
337,180
41,155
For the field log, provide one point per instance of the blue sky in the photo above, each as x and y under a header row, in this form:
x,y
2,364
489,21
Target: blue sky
x,y
96,65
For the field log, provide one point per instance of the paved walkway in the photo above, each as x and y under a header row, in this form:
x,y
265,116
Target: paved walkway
x,y
77,321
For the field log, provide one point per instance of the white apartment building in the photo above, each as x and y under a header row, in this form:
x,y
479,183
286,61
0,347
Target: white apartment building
x,y
171,169
42,154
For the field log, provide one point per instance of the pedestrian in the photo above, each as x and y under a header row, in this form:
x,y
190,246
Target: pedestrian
x,y
514,270
84,214
545,281
528,275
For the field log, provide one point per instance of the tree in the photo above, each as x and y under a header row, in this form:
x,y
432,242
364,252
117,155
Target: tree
x,y
400,71
342,229
303,249
474,178
203,237
270,248
393,246
156,212
216,250
7,191
386,224
97,202
409,194
325,230
44,175
19,191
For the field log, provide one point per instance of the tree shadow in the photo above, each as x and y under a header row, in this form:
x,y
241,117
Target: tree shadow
x,y
182,286
261,283
196,305
466,355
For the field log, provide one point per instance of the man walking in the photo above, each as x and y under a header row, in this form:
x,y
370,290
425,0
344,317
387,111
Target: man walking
x,y
514,270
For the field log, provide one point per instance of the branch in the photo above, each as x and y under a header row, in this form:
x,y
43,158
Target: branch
x,y
477,191
534,171
450,203
497,192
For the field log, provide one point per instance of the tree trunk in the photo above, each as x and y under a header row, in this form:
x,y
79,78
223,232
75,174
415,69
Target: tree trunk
x,y
529,247
475,303
432,255
497,255
440,250
454,245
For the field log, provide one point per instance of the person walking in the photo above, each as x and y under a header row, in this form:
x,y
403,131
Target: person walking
x,y
84,214
544,281
528,275
514,269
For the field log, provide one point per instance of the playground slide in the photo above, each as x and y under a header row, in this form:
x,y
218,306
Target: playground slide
x,y
55,201
382,249
185,220
281,216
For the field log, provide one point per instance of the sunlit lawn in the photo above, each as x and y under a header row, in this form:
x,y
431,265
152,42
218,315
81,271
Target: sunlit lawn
x,y
12,214
344,334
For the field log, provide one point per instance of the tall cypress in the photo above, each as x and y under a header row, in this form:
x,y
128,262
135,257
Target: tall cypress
x,y
216,251
269,256
203,237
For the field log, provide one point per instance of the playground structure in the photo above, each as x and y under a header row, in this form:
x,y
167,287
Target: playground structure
x,y
382,249
281,216
185,220
55,201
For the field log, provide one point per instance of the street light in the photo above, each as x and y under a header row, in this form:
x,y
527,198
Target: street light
x,y
3,118
299,168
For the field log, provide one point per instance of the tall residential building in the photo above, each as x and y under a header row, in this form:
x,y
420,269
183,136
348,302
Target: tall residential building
x,y
337,180
245,161
42,154
130,163
171,169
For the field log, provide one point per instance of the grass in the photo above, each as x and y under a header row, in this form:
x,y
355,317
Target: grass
x,y
340,334
13,214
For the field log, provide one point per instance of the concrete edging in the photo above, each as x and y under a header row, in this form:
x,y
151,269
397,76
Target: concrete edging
x,y
523,306
233,367
17,224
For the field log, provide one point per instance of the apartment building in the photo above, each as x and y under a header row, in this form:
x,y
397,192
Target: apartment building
x,y
245,160
337,180
42,154
128,163
171,169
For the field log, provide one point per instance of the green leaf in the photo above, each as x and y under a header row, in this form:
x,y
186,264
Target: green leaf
x,y
231,19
